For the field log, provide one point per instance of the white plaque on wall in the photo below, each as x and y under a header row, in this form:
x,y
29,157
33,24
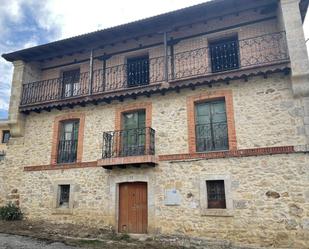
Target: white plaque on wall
x,y
172,197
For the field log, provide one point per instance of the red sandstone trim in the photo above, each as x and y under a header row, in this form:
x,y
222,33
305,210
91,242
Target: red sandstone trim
x,y
147,106
61,166
231,153
56,131
178,157
211,95
128,160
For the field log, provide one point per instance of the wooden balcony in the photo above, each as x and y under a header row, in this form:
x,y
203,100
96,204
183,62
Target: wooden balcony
x,y
133,147
221,58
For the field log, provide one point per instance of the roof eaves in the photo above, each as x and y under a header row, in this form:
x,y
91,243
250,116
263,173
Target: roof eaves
x,y
18,54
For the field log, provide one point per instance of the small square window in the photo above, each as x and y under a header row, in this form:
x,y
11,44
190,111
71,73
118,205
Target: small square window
x,y
216,194
5,136
64,196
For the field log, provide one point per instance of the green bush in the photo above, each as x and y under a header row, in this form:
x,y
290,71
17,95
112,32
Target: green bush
x,y
10,212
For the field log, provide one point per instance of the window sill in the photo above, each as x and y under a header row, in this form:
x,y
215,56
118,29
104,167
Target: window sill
x,y
217,212
62,211
211,151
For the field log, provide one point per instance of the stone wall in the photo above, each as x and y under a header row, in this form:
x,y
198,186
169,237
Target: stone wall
x,y
270,202
269,193
265,113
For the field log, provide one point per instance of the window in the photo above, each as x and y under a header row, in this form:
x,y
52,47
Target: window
x,y
216,194
5,136
211,126
67,146
138,71
2,155
133,134
224,55
71,83
64,196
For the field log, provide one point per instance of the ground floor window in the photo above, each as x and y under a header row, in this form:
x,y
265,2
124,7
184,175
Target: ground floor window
x,y
64,196
216,194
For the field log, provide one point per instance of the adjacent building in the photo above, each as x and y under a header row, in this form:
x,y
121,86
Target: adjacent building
x,y
194,122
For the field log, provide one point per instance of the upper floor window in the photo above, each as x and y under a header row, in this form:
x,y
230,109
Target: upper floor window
x,y
211,126
133,134
67,146
71,83
5,136
224,54
138,71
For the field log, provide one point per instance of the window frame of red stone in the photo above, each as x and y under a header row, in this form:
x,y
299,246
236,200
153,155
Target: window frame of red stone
x,y
56,135
227,95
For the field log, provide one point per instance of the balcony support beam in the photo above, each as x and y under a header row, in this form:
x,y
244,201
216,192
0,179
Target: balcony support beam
x,y
165,57
172,61
91,72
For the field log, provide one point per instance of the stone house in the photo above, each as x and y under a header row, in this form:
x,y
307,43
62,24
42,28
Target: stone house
x,y
190,123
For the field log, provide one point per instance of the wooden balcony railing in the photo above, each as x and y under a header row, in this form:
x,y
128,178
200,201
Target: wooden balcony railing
x,y
218,57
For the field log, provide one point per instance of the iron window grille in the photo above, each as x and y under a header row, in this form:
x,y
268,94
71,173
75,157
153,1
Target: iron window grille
x,y
211,126
224,55
2,155
138,71
216,194
64,196
67,145
5,136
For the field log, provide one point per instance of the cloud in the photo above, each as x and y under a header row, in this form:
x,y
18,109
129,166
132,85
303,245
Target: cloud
x,y
26,23
21,27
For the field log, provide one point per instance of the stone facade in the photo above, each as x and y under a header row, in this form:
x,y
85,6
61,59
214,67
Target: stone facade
x,y
266,173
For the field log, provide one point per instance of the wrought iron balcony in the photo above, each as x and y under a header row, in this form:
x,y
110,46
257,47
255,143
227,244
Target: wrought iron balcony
x,y
67,151
128,147
228,55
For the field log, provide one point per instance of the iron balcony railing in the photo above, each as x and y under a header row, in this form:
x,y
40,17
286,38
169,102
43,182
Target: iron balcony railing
x,y
211,137
67,151
132,142
227,55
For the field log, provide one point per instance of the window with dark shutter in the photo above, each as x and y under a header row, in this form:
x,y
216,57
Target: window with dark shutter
x,y
67,146
224,54
5,136
138,71
71,83
64,196
216,194
211,126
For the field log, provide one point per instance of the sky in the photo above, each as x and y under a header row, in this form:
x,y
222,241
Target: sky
x,y
27,23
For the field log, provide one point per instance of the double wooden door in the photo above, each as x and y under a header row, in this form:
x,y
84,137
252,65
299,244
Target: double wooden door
x,y
133,207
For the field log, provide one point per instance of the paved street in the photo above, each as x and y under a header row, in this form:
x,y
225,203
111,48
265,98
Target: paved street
x,y
19,242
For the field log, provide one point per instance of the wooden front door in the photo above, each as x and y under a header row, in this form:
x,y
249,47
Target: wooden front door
x,y
133,216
